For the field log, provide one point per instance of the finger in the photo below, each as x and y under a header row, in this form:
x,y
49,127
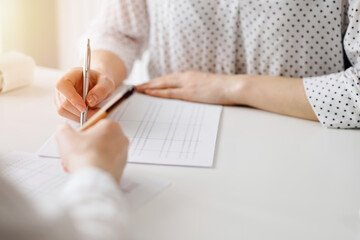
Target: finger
x,y
157,83
169,81
67,89
64,103
140,88
103,88
64,133
65,138
66,114
106,126
64,168
92,112
63,111
98,128
166,93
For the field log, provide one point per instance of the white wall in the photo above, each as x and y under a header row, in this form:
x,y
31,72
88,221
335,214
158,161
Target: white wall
x,y
74,17
29,26
49,31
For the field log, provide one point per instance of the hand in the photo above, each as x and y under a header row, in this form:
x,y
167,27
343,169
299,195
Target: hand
x,y
102,146
68,95
195,86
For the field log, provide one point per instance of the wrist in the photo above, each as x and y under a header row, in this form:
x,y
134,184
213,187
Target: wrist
x,y
88,181
105,71
79,163
237,92
110,65
91,168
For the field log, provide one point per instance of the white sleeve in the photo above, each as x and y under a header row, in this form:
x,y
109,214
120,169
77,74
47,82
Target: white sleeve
x,y
122,28
90,207
95,205
335,97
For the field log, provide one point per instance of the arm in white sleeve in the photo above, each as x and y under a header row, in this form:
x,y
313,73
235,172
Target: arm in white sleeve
x,y
122,27
91,207
335,98
95,205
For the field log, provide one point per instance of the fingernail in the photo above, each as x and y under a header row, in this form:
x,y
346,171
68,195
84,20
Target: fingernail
x,y
92,99
65,169
80,107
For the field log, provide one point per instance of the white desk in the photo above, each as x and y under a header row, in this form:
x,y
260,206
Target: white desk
x,y
275,177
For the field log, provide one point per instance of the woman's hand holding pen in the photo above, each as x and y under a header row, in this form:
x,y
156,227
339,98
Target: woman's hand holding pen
x,y
108,71
68,93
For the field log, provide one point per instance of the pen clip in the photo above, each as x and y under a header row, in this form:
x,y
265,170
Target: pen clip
x,y
86,80
86,70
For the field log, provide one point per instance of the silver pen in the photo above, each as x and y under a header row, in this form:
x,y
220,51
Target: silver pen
x,y
86,80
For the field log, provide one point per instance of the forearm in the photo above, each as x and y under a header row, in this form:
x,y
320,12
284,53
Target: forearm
x,y
108,63
95,205
275,94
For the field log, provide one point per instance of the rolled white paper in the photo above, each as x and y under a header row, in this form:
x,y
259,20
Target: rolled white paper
x,y
16,70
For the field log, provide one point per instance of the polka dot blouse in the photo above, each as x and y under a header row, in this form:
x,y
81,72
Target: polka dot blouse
x,y
317,40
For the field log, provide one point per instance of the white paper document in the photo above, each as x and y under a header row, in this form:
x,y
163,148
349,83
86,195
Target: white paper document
x,y
164,131
43,178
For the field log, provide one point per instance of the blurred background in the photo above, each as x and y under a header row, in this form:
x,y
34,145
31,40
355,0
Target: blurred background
x,y
48,30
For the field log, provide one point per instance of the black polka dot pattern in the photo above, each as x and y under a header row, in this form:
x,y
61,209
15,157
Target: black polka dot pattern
x,y
335,97
121,27
303,39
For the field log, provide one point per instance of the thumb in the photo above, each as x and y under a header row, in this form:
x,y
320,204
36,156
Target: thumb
x,y
103,88
64,133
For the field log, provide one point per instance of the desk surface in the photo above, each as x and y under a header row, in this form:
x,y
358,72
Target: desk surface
x,y
275,177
